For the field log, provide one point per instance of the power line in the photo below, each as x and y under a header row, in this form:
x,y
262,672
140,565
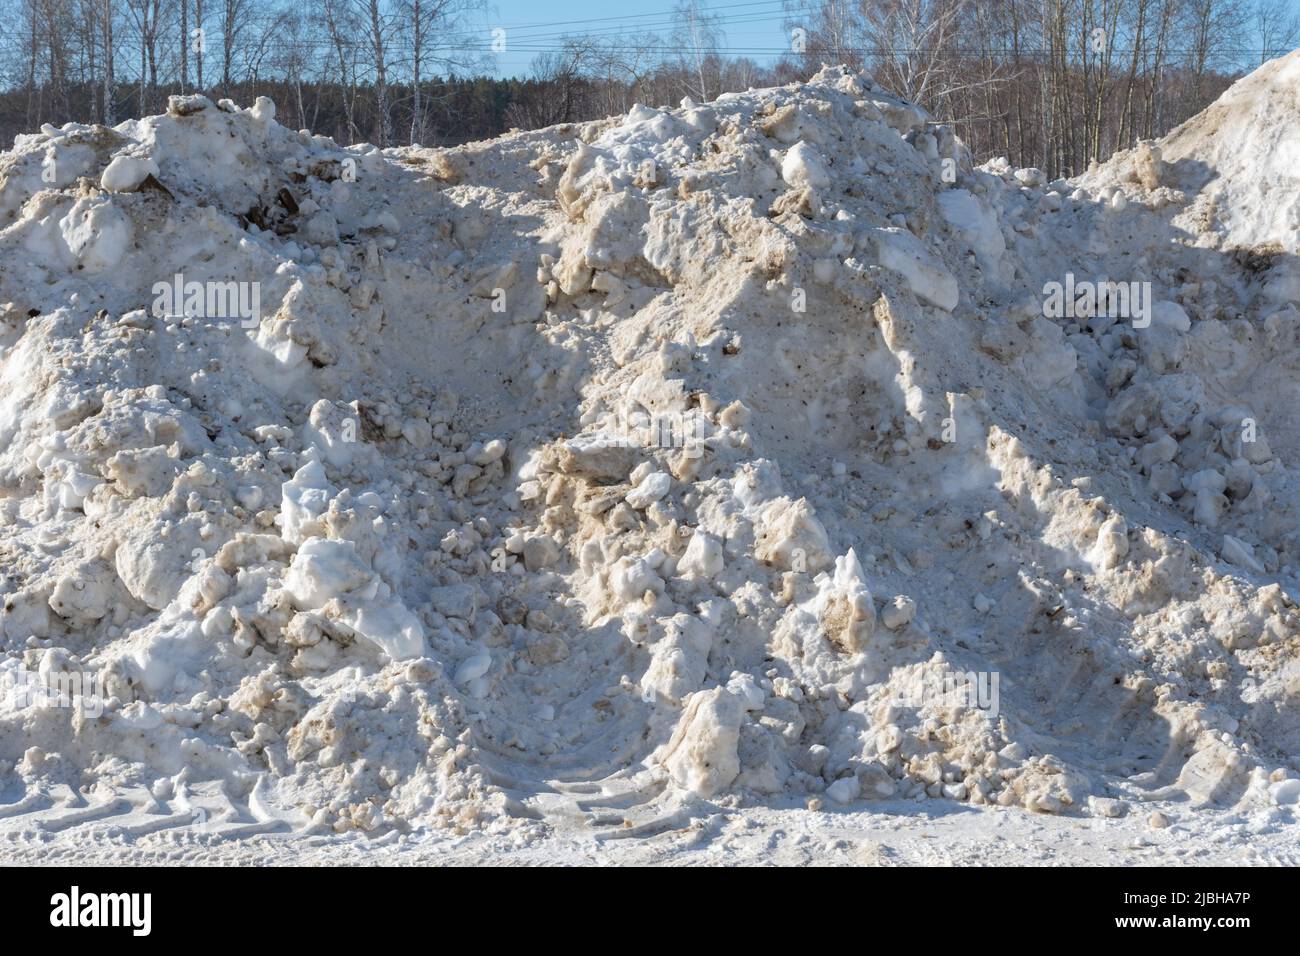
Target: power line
x,y
708,11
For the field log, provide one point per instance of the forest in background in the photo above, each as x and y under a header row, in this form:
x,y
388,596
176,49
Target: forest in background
x,y
1056,84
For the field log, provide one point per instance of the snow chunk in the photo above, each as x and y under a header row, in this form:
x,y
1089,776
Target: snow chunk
x,y
703,754
263,109
844,605
305,497
96,234
387,623
1241,554
473,667
703,557
679,661
975,223
900,251
845,790
803,166
126,173
651,488
323,570
1170,314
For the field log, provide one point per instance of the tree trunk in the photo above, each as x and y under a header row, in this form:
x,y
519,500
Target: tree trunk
x,y
381,75
417,40
185,44
200,44
110,80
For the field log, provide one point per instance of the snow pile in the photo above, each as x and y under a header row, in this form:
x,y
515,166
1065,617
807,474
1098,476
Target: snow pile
x,y
723,453
1237,163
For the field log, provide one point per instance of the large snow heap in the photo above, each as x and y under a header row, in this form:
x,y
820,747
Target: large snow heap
x,y
604,472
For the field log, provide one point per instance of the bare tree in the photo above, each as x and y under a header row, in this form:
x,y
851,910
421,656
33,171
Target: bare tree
x,y
696,37
1276,26
53,20
430,26
291,56
185,44
147,18
107,15
87,38
913,45
1213,29
559,79
341,24
234,17
377,26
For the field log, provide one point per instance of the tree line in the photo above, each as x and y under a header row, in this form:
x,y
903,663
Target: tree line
x,y
1057,84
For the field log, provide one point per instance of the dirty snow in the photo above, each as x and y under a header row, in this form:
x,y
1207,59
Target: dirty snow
x,y
705,468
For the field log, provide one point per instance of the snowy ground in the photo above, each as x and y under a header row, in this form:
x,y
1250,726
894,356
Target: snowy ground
x,y
896,835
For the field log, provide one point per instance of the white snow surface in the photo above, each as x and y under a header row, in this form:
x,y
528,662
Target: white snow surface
x,y
648,478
